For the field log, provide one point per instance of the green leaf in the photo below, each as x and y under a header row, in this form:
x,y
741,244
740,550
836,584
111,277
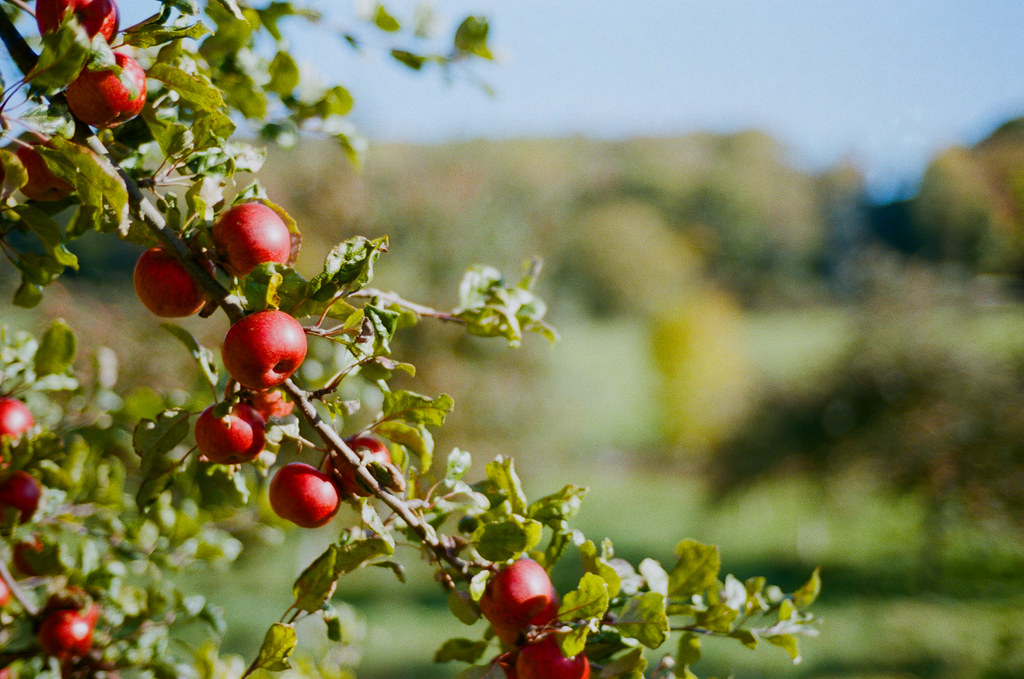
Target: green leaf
x,y
688,654
277,648
588,600
203,356
557,507
56,351
643,618
695,570
415,408
27,295
745,637
413,61
788,643
64,54
57,256
352,555
97,182
385,21
284,74
195,90
152,34
471,37
317,582
458,465
628,666
154,438
501,473
232,7
717,618
599,566
465,650
417,438
506,539
347,266
462,607
809,591
381,325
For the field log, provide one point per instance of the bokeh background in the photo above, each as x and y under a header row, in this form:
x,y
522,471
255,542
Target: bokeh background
x,y
783,245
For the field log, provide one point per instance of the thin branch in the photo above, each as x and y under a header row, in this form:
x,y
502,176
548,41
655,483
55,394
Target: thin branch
x,y
5,575
397,300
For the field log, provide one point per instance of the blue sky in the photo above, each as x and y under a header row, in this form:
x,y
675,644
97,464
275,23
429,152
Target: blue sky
x,y
881,83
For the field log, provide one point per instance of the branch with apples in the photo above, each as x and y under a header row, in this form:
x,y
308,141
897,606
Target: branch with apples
x,y
137,134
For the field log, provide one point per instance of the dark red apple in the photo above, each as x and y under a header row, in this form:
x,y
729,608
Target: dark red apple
x,y
21,491
361,445
41,184
67,633
15,417
303,495
543,659
96,16
24,553
271,403
249,234
518,595
263,349
107,98
164,285
235,438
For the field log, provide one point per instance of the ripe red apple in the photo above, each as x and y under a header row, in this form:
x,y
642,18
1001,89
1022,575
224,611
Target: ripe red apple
x,y
235,438
96,16
304,495
518,595
164,286
21,491
271,403
543,659
263,349
108,97
41,184
249,234
67,633
5,593
360,444
15,417
22,556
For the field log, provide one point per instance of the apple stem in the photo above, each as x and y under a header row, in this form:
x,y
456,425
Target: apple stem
x,y
5,575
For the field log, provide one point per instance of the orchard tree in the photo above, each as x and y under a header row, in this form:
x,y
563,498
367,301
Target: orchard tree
x,y
146,133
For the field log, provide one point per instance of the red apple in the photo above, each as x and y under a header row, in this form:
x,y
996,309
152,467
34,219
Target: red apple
x,y
164,285
67,633
107,98
235,438
271,403
15,417
543,659
5,593
304,495
518,595
263,349
41,184
22,556
21,491
361,444
249,234
96,16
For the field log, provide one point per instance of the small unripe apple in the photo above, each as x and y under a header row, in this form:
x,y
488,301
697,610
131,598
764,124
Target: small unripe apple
x,y
303,495
15,417
67,633
543,659
164,285
96,16
518,595
42,184
263,349
249,234
235,438
271,403
347,474
107,98
21,491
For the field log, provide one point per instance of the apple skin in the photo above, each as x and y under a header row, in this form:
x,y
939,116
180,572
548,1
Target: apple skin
x,y
347,474
235,438
263,349
543,659
105,99
21,491
164,286
96,16
249,234
271,403
15,417
42,185
67,633
518,595
5,594
303,495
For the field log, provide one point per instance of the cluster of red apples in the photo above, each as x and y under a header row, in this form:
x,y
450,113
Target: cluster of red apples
x,y
103,98
65,626
260,352
519,601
